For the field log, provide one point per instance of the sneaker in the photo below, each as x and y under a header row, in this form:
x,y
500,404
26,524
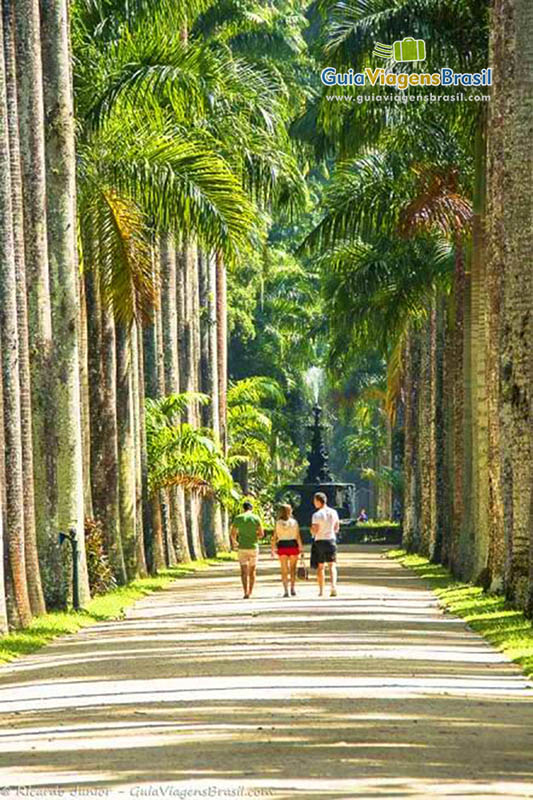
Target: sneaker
x,y
333,593
286,593
293,591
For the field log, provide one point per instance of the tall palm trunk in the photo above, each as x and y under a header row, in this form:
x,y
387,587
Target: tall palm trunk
x,y
176,497
31,137
411,528
126,449
139,441
30,537
496,261
85,402
10,370
211,516
154,380
3,609
66,464
110,508
458,402
186,286
514,75
222,345
222,363
478,342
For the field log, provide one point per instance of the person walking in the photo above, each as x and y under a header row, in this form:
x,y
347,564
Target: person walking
x,y
324,529
287,543
245,533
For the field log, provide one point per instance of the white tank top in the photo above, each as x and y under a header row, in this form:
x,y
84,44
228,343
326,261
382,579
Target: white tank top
x,y
286,529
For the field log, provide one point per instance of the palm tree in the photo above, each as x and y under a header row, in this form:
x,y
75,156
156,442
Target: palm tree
x,y
31,136
510,232
10,370
30,537
65,487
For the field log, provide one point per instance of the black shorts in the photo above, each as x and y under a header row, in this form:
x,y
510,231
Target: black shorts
x,y
323,552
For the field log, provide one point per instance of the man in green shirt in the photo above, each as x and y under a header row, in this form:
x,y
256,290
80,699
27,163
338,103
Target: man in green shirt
x,y
245,533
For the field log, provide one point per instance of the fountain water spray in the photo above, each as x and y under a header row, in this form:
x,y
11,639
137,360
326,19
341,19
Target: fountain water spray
x,y
314,379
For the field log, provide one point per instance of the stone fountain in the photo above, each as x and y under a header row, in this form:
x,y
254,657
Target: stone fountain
x,y
318,478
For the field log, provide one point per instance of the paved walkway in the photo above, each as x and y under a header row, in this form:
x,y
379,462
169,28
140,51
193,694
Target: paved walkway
x,y
373,694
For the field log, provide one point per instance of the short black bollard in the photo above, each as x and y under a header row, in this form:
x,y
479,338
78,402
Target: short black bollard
x,y
72,538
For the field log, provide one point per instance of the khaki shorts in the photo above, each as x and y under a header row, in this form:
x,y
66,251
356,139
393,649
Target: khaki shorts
x,y
248,557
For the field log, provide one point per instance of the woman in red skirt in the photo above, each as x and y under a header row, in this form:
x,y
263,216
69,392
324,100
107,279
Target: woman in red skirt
x,y
287,542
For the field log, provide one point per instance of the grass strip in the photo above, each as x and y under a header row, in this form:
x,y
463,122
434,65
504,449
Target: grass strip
x,y
109,606
490,615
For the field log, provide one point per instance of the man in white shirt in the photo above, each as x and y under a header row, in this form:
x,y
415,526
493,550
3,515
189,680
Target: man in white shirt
x,y
324,529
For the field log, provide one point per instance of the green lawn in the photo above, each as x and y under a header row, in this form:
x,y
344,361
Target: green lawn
x,y
488,614
102,607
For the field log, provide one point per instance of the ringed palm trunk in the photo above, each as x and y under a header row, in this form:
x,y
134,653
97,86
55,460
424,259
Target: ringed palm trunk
x,y
155,387
517,324
30,537
66,464
458,400
126,450
137,389
10,372
3,609
31,136
411,530
496,262
478,342
222,363
176,498
425,438
187,283
110,506
211,517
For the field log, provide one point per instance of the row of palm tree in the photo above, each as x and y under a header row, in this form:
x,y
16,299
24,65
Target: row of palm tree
x,y
425,245
141,145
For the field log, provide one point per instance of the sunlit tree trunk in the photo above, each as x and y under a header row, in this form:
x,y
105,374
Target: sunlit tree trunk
x,y
458,400
211,515
514,74
425,438
154,379
186,286
31,136
30,537
109,510
478,342
222,362
85,402
126,449
65,461
496,261
412,521
137,389
10,371
3,609
176,498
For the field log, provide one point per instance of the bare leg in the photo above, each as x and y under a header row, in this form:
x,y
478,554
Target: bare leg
x,y
333,575
244,579
320,576
294,562
251,580
284,566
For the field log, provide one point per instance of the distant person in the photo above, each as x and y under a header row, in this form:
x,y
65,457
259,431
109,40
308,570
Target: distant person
x,y
363,516
324,528
287,543
245,533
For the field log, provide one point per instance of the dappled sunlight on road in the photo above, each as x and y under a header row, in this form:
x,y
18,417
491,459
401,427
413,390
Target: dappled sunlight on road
x,y
375,693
